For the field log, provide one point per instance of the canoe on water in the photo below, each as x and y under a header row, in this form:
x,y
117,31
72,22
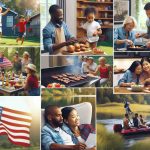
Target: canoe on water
x,y
118,129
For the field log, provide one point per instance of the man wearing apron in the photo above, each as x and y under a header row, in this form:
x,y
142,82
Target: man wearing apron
x,y
56,35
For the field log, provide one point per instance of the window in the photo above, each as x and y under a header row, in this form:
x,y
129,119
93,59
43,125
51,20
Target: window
x,y
9,21
44,8
140,14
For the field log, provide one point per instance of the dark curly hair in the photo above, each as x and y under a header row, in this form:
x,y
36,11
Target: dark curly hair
x,y
49,110
145,59
134,65
147,6
89,10
66,112
53,9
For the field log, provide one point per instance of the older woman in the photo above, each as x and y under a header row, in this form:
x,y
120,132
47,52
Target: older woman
x,y
104,69
80,131
125,35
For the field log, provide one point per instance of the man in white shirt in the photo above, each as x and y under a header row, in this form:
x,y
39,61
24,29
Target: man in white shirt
x,y
91,64
84,66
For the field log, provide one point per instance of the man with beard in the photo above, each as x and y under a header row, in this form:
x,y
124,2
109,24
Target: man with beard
x,y
56,34
55,135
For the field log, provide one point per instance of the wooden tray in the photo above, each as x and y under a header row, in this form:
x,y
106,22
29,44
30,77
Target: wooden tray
x,y
87,52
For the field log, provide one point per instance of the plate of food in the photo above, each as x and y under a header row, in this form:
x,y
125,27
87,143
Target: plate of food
x,y
137,48
98,51
77,48
137,88
55,85
12,82
17,86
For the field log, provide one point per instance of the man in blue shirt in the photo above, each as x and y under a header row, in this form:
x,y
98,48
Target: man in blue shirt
x,y
56,34
147,10
125,35
55,134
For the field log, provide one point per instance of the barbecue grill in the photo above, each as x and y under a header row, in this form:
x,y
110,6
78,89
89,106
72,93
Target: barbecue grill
x,y
47,76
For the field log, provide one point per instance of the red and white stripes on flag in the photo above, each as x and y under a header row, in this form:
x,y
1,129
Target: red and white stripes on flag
x,y
5,63
16,125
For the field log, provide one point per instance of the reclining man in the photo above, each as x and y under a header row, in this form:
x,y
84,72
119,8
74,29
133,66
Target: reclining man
x,y
55,135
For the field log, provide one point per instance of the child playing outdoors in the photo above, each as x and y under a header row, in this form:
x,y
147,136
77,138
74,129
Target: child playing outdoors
x,y
92,27
22,28
2,14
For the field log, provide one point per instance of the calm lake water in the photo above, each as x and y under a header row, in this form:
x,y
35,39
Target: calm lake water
x,y
108,123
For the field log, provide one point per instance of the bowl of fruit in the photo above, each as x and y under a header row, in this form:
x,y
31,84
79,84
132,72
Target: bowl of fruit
x,y
12,82
55,85
137,88
98,51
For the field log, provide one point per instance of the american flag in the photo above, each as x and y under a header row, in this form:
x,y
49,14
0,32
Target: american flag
x,y
5,63
16,125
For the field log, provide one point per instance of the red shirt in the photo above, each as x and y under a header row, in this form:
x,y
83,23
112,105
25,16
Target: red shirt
x,y
104,72
22,26
32,81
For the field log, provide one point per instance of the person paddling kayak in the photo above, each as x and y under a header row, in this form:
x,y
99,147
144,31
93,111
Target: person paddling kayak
x,y
127,108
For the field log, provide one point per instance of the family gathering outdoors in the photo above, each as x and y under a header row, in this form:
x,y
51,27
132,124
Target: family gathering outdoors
x,y
79,71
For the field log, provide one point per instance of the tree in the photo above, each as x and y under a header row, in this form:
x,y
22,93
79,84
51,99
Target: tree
x,y
21,6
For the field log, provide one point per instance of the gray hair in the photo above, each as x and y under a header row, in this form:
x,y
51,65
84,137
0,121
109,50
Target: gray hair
x,y
130,19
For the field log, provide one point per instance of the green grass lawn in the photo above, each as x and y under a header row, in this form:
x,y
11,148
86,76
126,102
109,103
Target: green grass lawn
x,y
117,109
11,41
106,46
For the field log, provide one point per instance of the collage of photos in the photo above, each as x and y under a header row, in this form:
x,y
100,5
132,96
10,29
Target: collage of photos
x,y
75,74
20,75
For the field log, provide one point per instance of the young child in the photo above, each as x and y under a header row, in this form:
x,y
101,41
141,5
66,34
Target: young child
x,y
132,75
2,14
22,28
92,27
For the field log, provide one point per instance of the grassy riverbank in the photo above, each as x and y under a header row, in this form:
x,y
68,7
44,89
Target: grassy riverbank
x,y
116,110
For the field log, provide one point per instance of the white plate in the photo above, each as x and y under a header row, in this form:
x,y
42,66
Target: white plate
x,y
121,49
130,89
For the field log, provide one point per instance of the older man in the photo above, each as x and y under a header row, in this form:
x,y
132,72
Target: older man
x,y
91,64
56,34
55,135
